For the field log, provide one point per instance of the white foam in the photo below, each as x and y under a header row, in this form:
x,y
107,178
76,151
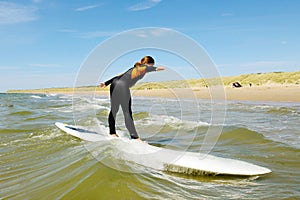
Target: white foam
x,y
172,121
35,97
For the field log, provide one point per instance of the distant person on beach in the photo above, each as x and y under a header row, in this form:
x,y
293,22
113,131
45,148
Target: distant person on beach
x,y
236,85
120,93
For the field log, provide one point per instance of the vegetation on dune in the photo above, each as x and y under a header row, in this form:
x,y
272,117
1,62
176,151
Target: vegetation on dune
x,y
245,79
265,78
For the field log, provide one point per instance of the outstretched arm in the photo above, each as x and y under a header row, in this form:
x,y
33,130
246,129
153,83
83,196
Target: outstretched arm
x,y
102,85
152,69
160,68
106,83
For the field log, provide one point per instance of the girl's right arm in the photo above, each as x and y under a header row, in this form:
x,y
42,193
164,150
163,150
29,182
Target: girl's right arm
x,y
106,83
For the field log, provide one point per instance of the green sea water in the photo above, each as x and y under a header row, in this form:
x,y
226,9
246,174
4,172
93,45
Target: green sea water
x,y
38,161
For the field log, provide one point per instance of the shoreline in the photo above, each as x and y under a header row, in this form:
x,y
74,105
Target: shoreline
x,y
271,92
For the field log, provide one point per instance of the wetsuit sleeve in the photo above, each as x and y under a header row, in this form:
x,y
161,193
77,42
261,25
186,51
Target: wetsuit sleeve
x,y
150,69
110,80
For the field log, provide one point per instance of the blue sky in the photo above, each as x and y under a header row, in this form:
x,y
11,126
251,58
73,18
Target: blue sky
x,y
44,42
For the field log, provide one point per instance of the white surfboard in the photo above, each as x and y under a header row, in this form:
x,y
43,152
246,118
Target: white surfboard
x,y
169,160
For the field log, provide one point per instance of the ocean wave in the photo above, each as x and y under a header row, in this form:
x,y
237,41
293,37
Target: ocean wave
x,y
36,157
35,97
242,135
51,95
283,111
254,144
23,112
171,121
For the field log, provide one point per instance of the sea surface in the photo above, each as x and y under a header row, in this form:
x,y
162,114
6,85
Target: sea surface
x,y
39,161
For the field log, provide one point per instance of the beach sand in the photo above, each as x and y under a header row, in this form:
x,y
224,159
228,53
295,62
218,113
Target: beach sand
x,y
270,92
274,93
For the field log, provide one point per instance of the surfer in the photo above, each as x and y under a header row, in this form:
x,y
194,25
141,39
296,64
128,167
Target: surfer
x,y
120,93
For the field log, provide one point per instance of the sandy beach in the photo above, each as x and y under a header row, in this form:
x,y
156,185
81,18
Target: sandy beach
x,y
272,86
275,93
268,92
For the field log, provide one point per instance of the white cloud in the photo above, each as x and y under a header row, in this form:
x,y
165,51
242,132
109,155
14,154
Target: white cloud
x,y
144,5
161,31
156,32
84,8
11,13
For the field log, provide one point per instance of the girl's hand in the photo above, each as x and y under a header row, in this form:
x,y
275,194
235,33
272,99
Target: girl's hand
x,y
102,85
160,68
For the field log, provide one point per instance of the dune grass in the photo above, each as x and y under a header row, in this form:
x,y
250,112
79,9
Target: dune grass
x,y
245,79
265,78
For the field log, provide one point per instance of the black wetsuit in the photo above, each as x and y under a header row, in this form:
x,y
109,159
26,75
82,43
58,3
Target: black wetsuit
x,y
120,95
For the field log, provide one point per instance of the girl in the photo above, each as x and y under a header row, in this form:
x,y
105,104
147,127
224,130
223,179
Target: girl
x,y
120,93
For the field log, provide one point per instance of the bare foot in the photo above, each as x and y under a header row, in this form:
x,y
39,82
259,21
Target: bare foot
x,y
140,140
114,135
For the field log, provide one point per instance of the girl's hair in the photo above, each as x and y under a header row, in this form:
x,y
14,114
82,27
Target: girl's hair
x,y
147,60
144,60
137,64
